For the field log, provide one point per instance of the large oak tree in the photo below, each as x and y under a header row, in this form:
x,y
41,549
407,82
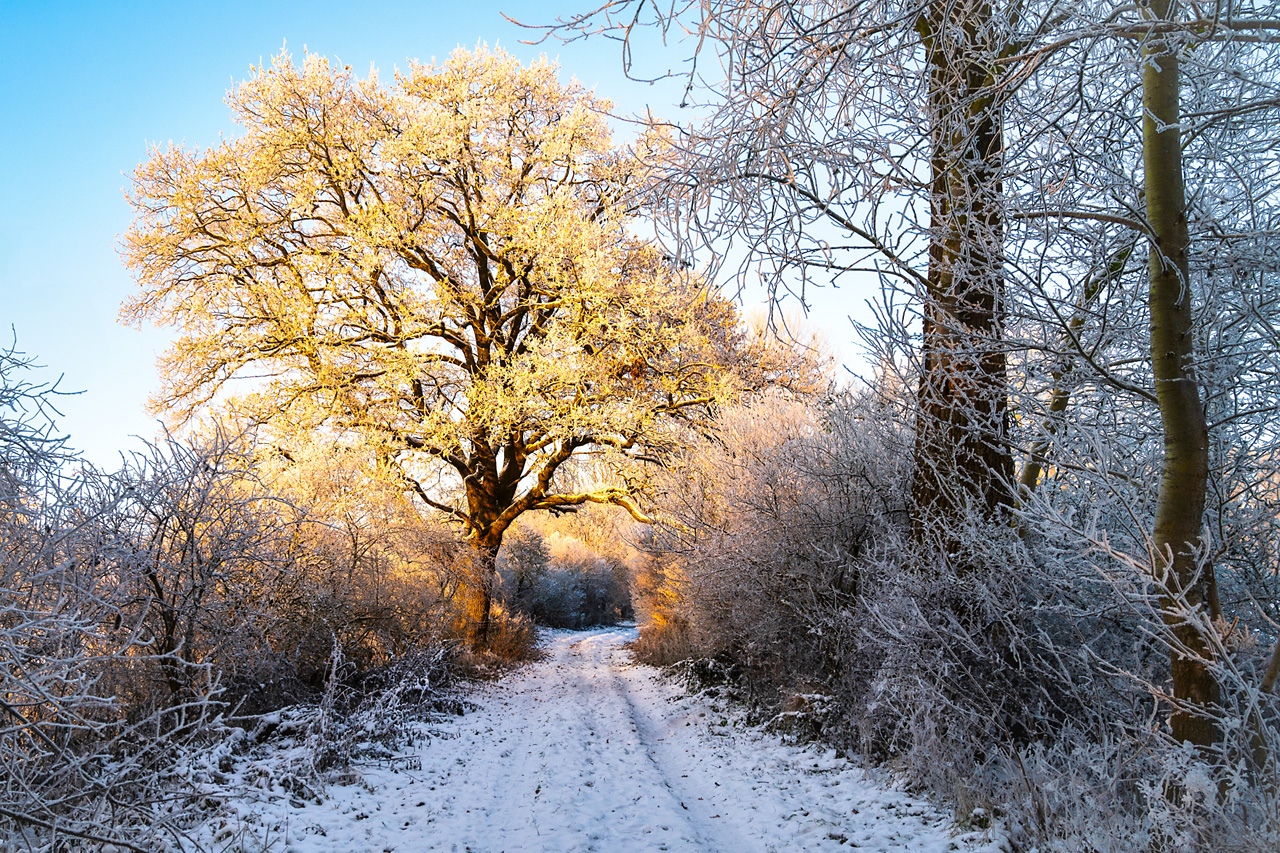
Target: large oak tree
x,y
444,269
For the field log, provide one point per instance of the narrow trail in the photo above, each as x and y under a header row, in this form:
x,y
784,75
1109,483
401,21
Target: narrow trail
x,y
587,751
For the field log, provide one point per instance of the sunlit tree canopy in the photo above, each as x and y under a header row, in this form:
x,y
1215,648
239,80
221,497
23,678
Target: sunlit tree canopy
x,y
446,268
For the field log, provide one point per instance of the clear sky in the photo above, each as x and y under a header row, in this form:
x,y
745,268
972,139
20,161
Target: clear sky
x,y
86,87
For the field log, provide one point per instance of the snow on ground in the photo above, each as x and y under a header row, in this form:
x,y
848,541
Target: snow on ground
x,y
588,751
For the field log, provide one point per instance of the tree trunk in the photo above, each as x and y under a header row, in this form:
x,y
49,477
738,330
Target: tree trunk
x,y
963,463
1060,396
1184,477
486,577
488,494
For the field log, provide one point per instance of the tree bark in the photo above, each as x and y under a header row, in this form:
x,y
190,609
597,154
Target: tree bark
x,y
963,463
489,493
487,572
1184,475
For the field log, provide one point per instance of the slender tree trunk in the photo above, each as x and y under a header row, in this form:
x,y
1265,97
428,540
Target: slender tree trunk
x,y
1059,399
1184,477
1060,396
1261,754
963,463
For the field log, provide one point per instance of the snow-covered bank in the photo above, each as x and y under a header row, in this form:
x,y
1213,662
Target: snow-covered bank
x,y
589,751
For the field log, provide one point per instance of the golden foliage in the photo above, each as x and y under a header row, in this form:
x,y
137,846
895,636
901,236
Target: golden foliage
x,y
443,268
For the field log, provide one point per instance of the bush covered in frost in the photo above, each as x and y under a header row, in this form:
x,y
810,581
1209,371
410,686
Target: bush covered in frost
x,y
1020,673
183,608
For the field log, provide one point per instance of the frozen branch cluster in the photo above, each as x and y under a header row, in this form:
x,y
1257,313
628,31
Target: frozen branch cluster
x,y
1071,209
158,623
1021,676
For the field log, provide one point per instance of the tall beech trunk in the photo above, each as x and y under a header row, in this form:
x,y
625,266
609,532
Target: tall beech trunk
x,y
963,462
1184,477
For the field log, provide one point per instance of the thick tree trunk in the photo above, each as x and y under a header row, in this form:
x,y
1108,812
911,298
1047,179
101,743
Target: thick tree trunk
x,y
1184,477
488,494
963,463
486,577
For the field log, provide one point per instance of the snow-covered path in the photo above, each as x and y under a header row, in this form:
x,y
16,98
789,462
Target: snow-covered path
x,y
586,751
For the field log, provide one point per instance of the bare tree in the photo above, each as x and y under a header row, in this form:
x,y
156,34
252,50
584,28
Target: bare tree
x,y
1030,121
866,137
1167,102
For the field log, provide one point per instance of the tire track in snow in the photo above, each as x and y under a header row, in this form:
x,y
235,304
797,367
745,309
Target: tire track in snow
x,y
587,751
605,648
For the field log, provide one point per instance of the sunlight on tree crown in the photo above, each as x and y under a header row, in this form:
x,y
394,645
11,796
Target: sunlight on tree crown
x,y
444,267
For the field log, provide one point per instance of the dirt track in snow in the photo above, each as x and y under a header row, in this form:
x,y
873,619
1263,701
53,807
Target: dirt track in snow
x,y
587,751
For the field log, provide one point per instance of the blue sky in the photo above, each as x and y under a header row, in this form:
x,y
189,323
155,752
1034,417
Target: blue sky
x,y
86,87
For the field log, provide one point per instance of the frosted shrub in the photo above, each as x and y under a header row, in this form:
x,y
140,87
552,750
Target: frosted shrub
x,y
768,522
143,611
81,761
76,762
959,656
1018,673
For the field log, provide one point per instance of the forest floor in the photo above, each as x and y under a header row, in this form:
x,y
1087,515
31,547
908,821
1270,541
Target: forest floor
x,y
589,751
